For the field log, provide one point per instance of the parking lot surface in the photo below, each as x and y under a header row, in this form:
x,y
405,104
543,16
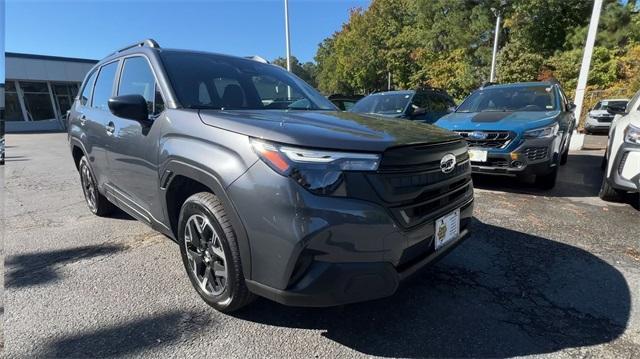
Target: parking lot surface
x,y
544,273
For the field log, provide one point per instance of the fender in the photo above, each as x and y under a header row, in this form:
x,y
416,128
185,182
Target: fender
x,y
175,168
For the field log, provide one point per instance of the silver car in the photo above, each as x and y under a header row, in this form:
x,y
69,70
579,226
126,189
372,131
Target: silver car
x,y
599,119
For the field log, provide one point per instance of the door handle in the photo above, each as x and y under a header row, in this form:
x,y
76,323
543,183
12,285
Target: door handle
x,y
111,127
83,120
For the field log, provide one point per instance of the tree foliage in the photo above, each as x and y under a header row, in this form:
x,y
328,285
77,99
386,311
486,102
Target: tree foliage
x,y
306,71
448,44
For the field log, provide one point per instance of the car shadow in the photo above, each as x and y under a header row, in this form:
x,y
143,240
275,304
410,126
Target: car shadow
x,y
580,177
37,268
130,337
502,293
121,214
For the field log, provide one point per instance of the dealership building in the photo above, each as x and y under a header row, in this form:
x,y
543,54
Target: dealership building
x,y
40,89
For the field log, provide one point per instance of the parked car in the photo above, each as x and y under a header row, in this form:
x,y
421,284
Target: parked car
x,y
425,105
344,102
266,188
622,157
599,118
516,129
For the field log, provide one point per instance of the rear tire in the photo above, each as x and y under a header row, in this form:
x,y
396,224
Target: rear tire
x,y
97,203
210,253
547,181
608,193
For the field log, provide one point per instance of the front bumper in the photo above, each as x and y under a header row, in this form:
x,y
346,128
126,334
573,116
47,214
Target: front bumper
x,y
594,125
537,156
625,172
311,250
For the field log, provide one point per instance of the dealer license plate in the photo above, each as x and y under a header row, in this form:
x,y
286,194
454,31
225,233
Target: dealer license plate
x,y
478,156
447,228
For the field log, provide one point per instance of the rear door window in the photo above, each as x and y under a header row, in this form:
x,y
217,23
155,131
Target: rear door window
x,y
104,86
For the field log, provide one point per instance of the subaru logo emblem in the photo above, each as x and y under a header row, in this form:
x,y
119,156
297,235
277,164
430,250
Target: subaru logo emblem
x,y
448,163
477,135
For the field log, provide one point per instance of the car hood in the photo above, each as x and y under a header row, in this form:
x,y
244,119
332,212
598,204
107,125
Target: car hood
x,y
497,121
327,129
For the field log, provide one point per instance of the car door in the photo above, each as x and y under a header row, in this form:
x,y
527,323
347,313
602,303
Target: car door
x,y
133,155
93,117
567,118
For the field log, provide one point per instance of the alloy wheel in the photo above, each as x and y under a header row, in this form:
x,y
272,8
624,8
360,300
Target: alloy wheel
x,y
88,187
206,255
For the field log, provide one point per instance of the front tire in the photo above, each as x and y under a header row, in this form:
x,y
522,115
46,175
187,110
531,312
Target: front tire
x,y
97,203
608,193
210,253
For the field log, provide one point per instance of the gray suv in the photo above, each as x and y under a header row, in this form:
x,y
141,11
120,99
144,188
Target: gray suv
x,y
265,186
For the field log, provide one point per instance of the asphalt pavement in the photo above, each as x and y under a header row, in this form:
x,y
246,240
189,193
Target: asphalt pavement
x,y
545,273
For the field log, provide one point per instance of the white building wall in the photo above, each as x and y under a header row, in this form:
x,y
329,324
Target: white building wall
x,y
50,69
18,68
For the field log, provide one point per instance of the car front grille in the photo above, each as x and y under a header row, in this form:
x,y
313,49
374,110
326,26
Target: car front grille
x,y
606,119
413,187
492,139
536,153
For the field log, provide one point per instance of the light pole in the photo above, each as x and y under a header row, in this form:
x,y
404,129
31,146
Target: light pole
x,y
286,33
577,141
498,13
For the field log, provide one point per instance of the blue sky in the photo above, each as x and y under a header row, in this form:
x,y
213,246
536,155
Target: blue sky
x,y
93,29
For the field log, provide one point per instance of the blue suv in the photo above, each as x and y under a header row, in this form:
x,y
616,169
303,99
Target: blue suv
x,y
516,129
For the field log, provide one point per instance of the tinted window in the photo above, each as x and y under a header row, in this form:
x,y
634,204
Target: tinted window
x,y
222,82
383,103
634,102
523,98
104,86
86,91
137,79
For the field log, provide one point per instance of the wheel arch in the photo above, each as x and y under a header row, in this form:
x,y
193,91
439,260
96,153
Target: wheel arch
x,y
77,151
179,181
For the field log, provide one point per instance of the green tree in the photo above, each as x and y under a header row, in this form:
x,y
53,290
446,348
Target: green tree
x,y
516,64
304,71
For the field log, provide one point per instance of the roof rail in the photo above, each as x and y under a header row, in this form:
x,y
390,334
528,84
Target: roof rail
x,y
144,43
257,58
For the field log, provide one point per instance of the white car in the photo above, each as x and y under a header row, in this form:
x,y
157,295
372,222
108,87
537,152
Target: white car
x,y
622,157
599,119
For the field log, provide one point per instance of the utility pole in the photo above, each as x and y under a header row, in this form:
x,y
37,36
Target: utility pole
x,y
389,81
498,13
577,141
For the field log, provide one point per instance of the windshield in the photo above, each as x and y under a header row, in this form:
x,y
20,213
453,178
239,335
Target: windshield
x,y
525,98
211,81
603,105
384,104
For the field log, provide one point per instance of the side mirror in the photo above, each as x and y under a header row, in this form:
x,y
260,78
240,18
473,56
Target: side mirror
x,y
571,106
418,112
617,110
132,107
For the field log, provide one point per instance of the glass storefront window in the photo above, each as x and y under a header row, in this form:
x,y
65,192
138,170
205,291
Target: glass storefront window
x,y
64,94
37,101
12,111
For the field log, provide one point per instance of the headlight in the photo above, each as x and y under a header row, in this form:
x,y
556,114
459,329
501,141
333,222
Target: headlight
x,y
632,134
321,172
543,132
